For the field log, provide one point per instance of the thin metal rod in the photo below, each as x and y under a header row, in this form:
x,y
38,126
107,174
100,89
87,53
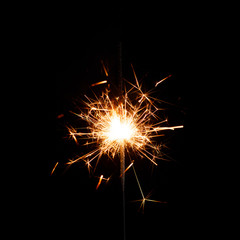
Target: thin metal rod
x,y
122,172
122,150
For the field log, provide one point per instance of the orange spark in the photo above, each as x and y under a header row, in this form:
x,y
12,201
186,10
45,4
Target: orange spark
x,y
127,168
98,83
162,80
54,168
88,163
72,133
60,116
99,182
167,128
104,68
135,76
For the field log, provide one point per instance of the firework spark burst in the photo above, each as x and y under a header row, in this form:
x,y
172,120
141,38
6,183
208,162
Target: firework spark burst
x,y
118,123
129,123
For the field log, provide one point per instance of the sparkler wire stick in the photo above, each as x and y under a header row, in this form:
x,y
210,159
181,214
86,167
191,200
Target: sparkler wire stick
x,y
122,150
122,162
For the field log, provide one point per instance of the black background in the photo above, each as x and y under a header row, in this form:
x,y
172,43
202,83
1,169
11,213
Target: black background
x,y
158,40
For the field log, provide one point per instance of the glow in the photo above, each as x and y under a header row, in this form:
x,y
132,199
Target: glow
x,y
119,123
128,124
120,130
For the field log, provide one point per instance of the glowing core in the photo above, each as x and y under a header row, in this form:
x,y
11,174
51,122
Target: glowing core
x,y
119,130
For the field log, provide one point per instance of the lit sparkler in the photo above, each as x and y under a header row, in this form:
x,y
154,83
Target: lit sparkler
x,y
122,125
118,123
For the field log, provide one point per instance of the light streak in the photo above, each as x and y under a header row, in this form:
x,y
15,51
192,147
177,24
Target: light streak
x,y
99,182
98,83
54,168
162,80
138,182
144,199
60,116
88,164
127,168
167,128
104,68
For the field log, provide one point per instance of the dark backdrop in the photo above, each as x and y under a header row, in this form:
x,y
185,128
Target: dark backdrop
x,y
158,40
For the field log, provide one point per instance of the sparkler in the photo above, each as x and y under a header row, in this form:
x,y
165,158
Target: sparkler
x,y
122,126
117,125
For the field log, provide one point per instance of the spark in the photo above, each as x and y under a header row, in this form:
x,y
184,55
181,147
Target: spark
x,y
138,182
60,116
99,182
167,128
98,83
127,168
54,168
162,80
88,164
144,199
104,68
72,133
